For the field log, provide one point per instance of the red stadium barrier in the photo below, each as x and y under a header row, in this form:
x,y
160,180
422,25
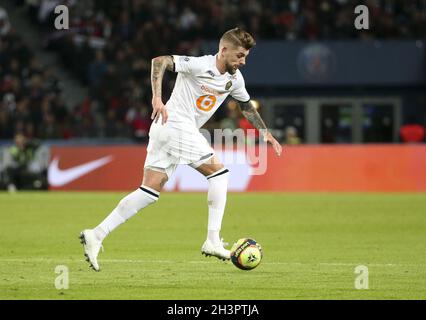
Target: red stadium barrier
x,y
381,168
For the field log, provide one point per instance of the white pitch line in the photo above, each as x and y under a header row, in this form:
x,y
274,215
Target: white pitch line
x,y
205,262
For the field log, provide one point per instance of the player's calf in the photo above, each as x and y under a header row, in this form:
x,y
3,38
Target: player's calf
x,y
126,208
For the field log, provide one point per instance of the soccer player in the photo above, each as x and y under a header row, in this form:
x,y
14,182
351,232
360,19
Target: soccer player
x,y
202,84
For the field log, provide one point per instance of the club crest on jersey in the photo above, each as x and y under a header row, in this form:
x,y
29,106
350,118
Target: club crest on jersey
x,y
228,85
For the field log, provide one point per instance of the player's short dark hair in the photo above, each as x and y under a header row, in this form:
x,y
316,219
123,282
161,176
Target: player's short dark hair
x,y
239,38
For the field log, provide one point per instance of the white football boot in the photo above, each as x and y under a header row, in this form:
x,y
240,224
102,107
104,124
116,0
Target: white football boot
x,y
91,247
209,249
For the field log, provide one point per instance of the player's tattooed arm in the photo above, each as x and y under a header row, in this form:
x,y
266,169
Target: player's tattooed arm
x,y
249,111
158,66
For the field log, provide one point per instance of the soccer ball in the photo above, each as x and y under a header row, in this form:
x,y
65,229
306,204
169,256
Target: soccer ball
x,y
246,254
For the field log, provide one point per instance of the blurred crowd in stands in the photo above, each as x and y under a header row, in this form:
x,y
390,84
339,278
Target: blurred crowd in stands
x,y
110,44
30,100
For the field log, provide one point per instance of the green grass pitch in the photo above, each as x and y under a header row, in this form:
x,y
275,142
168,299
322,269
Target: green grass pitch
x,y
312,244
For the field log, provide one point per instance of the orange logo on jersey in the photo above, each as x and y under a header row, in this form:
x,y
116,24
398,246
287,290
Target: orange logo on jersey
x,y
206,103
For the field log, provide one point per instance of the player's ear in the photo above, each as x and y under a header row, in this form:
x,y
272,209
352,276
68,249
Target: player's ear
x,y
222,51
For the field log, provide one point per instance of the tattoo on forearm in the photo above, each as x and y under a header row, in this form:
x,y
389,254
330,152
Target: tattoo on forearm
x,y
250,112
158,67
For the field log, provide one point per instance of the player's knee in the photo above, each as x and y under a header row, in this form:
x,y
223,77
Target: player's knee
x,y
154,180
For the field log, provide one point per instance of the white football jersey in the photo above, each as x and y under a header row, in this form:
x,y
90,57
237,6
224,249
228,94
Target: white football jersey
x,y
200,89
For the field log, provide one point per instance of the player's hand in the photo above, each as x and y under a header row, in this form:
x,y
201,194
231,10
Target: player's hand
x,y
275,144
158,108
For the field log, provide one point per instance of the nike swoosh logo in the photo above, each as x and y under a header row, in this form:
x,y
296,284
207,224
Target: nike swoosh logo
x,y
58,177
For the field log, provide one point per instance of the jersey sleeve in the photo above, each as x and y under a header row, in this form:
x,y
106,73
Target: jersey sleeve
x,y
190,65
240,92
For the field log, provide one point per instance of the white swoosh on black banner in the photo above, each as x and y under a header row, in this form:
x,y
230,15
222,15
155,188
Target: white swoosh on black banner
x,y
58,177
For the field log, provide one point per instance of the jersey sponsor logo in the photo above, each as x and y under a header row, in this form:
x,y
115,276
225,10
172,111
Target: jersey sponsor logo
x,y
206,103
212,91
59,177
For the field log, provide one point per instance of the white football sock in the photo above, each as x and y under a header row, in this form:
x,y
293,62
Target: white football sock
x,y
126,208
216,197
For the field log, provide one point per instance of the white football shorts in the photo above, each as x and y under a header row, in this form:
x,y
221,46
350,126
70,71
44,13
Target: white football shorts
x,y
171,145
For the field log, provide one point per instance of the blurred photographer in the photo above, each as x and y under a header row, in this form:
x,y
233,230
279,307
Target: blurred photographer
x,y
23,170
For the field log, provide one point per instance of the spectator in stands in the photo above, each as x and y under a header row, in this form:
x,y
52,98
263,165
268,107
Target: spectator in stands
x,y
111,127
96,71
4,22
140,122
291,136
49,129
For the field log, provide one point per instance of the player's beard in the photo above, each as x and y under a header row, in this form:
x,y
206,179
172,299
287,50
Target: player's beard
x,y
230,69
